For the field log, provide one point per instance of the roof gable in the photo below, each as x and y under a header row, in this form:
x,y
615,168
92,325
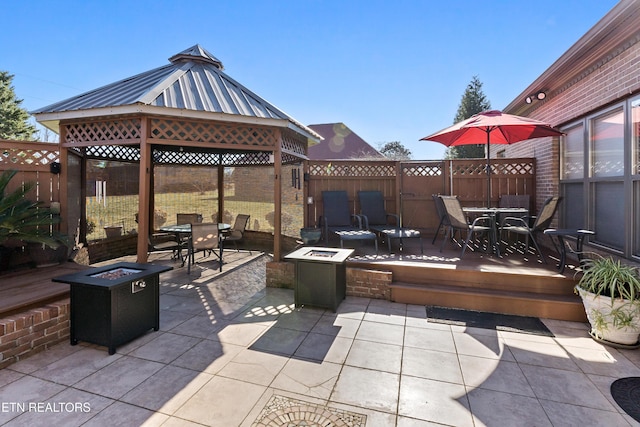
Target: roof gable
x,y
340,142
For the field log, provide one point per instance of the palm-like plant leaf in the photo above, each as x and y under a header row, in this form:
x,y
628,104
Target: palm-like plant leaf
x,y
22,219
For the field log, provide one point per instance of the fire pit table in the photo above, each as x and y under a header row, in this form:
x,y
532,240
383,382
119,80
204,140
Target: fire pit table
x,y
320,276
114,304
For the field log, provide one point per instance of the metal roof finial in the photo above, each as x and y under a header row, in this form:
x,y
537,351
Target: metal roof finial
x,y
197,53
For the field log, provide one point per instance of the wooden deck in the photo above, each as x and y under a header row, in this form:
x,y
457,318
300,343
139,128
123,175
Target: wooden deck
x,y
512,284
25,289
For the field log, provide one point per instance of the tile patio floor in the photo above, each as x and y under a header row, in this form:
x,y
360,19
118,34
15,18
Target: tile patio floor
x,y
230,353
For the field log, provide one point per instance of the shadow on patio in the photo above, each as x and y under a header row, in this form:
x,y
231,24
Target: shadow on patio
x,y
231,352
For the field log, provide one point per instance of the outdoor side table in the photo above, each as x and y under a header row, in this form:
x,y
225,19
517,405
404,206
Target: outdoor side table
x,y
320,276
114,304
561,246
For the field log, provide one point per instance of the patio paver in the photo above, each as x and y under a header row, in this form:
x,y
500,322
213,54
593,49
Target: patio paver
x,y
223,365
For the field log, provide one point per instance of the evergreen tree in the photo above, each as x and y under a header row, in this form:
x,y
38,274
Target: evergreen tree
x,y
473,102
13,118
395,151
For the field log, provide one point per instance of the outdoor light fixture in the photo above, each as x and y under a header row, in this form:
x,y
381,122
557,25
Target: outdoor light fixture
x,y
538,96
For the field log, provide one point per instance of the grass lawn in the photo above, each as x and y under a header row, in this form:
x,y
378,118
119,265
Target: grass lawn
x,y
121,211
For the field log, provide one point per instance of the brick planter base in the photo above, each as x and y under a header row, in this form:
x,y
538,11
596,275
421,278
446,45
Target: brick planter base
x,y
33,331
360,282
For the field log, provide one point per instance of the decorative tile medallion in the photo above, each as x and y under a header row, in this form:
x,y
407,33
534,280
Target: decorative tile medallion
x,y
282,411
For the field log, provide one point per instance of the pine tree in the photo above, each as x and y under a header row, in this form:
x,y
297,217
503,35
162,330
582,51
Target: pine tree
x,y
13,118
473,102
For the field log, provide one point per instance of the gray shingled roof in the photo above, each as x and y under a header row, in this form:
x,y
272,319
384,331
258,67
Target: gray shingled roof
x,y
193,81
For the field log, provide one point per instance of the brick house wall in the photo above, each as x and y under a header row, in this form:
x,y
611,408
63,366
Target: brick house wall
x,y
611,76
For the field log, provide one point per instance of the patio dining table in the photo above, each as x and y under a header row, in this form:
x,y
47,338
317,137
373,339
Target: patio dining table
x,y
495,214
185,230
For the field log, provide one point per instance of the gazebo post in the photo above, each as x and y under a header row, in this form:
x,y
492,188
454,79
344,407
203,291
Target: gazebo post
x,y
220,190
277,199
144,193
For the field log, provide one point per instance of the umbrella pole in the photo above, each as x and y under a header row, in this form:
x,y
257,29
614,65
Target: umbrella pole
x,y
488,168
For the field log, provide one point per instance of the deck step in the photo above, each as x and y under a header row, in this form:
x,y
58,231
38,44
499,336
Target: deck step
x,y
506,301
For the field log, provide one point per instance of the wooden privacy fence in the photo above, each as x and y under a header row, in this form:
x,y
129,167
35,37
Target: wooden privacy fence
x,y
33,162
408,186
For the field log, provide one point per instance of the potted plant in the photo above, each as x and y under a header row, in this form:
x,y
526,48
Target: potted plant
x,y
610,292
23,221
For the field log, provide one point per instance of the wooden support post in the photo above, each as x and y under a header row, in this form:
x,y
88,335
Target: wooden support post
x,y
220,189
63,196
277,200
144,195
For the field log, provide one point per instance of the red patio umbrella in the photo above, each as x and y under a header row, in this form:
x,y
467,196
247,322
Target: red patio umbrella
x,y
492,127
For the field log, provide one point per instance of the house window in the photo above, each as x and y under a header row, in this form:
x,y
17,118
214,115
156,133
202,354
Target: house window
x,y
607,144
573,153
600,177
635,131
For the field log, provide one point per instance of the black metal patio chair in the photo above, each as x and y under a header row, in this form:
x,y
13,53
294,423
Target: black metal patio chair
x,y
205,237
337,219
541,222
442,216
236,233
459,222
382,223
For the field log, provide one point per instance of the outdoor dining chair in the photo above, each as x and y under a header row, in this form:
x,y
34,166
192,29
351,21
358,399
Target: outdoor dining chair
x,y
541,222
337,219
442,216
188,218
382,223
236,233
165,242
204,237
459,222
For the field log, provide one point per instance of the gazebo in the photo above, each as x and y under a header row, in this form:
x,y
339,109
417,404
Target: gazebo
x,y
188,112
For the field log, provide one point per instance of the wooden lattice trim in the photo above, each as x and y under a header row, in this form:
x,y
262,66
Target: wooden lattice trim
x,y
346,168
118,153
293,143
422,169
212,132
116,131
28,154
504,169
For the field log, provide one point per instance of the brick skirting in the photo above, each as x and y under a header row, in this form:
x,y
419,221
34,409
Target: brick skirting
x,y
24,334
360,282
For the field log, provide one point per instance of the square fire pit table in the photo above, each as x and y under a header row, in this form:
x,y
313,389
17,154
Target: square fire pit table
x,y
114,304
320,276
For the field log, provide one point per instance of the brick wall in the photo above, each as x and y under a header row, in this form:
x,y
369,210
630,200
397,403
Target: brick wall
x,y
612,77
280,274
369,283
33,331
360,282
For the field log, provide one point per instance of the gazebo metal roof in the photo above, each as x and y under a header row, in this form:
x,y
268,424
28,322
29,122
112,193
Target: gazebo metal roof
x,y
192,85
186,113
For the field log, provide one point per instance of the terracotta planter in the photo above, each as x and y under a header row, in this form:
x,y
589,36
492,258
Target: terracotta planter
x,y
598,309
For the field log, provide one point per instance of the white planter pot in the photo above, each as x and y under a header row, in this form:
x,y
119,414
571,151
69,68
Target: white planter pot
x,y
598,309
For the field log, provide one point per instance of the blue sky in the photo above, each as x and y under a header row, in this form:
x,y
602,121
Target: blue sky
x,y
390,70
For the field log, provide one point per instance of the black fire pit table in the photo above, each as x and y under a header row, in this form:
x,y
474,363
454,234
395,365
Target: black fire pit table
x,y
320,276
114,304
